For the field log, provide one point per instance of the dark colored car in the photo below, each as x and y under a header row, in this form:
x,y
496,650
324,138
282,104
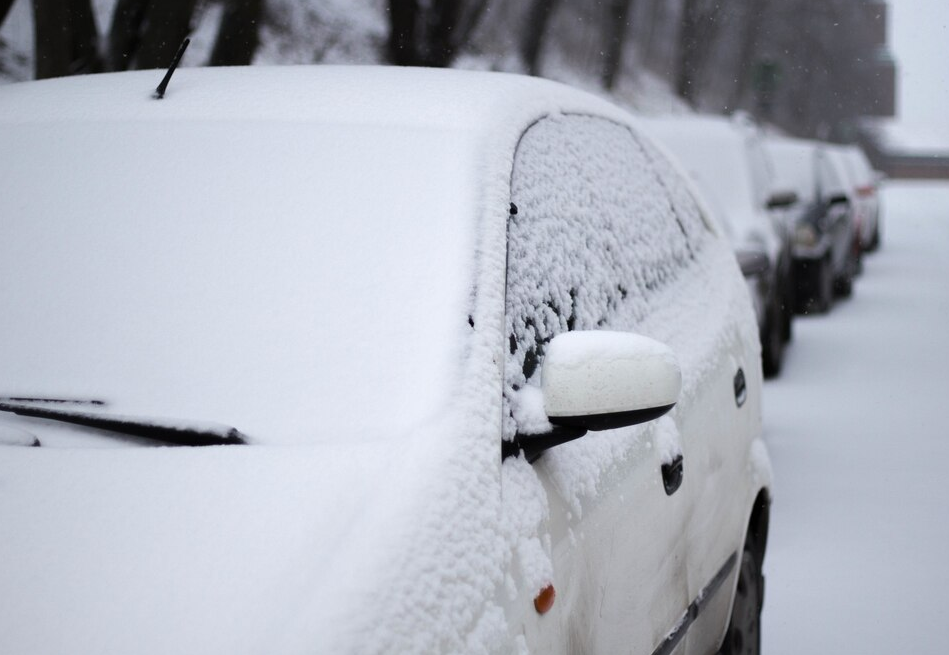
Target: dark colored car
x,y
823,233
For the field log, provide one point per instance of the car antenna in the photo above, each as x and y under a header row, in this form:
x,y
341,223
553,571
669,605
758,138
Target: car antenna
x,y
160,91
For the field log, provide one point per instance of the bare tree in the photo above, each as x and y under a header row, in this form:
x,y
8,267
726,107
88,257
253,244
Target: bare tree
x,y
4,8
403,18
147,33
66,41
431,34
616,30
753,21
237,36
532,37
698,30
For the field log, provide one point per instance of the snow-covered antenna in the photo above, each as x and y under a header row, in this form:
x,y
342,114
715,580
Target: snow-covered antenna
x,y
160,91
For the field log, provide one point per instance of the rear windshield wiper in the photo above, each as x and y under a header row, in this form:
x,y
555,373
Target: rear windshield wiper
x,y
168,431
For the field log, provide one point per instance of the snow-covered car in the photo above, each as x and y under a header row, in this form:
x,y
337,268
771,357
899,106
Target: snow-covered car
x,y
727,160
865,183
823,230
470,369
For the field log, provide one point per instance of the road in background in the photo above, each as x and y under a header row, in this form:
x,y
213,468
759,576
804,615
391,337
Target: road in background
x,y
858,430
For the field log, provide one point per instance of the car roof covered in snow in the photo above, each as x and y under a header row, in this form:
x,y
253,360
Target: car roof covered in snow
x,y
433,98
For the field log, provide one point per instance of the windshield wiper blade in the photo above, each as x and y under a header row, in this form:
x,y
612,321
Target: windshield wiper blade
x,y
55,401
162,430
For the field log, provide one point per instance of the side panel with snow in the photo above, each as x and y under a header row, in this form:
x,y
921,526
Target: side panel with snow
x,y
598,241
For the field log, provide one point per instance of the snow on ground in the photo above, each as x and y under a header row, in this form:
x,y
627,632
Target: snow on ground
x,y
859,439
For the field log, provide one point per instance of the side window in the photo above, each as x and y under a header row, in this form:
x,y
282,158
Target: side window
x,y
827,178
602,226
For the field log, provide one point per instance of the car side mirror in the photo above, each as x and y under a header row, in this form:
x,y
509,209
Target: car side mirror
x,y
838,199
752,262
781,199
601,380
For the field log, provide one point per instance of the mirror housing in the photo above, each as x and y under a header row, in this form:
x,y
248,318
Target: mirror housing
x,y
781,199
752,262
601,380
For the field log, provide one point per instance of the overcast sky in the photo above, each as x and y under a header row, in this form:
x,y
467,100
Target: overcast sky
x,y
919,39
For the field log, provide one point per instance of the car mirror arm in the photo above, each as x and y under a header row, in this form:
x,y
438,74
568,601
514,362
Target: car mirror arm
x,y
534,445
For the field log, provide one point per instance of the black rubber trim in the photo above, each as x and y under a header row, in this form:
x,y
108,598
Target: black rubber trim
x,y
672,475
611,421
534,445
695,608
152,429
741,388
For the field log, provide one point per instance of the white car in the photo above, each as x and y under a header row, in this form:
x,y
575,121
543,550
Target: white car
x,y
471,370
864,181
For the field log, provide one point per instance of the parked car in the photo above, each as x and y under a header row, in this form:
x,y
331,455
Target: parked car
x,y
471,368
726,159
838,158
865,181
823,227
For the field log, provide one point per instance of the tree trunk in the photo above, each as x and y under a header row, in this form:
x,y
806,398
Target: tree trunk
x,y
538,17
697,31
237,37
442,41
4,8
402,46
125,33
167,23
66,40
751,29
616,30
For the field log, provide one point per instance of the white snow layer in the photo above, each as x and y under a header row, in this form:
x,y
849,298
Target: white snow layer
x,y
363,540
857,430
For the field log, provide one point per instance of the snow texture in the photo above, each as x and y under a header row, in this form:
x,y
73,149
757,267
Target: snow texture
x,y
634,215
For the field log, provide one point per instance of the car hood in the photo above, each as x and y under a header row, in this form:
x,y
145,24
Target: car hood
x,y
219,549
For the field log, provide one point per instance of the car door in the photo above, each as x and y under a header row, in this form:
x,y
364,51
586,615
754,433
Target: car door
x,y
720,422
592,239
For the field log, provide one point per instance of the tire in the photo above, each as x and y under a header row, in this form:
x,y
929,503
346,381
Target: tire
x,y
824,288
843,285
743,636
772,342
875,239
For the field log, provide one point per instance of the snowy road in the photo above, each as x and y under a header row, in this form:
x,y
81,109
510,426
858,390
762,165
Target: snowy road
x,y
858,429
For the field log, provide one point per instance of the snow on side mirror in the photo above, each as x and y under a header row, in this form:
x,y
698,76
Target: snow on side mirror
x,y
600,380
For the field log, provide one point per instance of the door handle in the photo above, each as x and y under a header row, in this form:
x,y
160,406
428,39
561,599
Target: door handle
x,y
672,475
741,388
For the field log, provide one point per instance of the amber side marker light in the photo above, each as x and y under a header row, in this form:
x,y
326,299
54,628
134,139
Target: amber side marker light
x,y
545,599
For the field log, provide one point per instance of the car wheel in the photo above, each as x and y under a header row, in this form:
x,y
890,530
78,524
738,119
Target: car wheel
x,y
824,291
772,341
787,313
875,239
743,636
843,285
